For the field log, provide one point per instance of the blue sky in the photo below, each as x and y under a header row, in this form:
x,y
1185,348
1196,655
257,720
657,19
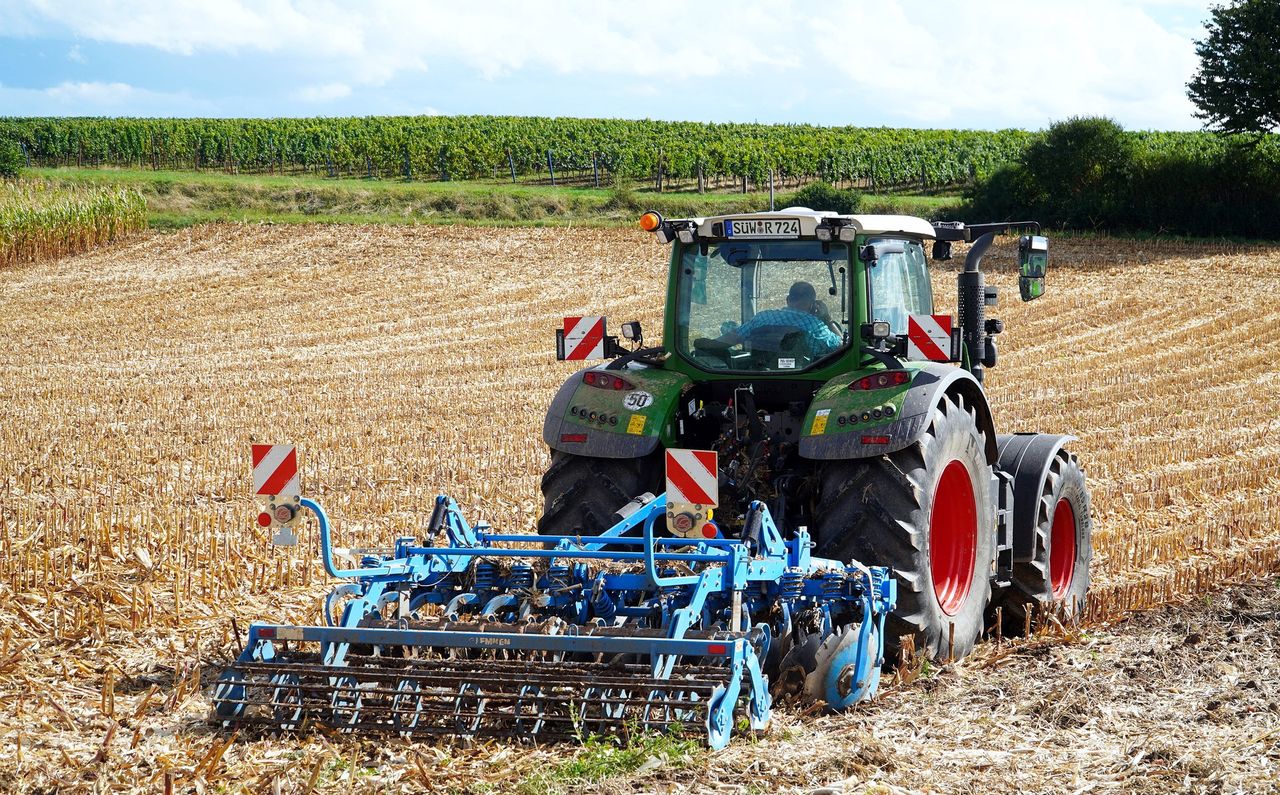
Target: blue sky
x,y
983,64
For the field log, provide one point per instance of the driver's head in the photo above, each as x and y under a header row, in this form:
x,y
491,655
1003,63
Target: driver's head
x,y
801,297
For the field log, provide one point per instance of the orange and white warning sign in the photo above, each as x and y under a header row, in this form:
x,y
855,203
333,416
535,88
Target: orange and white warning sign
x,y
275,470
692,477
584,338
929,338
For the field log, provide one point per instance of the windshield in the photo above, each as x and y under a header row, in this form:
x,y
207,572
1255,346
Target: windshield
x,y
770,306
899,280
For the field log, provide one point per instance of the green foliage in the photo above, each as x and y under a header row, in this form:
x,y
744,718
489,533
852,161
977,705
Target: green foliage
x,y
822,196
1078,170
11,158
487,147
601,758
1090,174
1237,88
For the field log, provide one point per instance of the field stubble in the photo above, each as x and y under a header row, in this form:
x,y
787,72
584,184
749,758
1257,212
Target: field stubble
x,y
405,362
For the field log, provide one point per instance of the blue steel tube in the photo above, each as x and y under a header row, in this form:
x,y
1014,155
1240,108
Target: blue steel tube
x,y
326,549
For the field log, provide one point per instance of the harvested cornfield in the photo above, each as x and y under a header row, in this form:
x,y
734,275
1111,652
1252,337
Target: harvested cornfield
x,y
409,361
40,222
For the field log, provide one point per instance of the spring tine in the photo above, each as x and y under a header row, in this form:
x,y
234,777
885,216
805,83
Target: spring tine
x,y
469,696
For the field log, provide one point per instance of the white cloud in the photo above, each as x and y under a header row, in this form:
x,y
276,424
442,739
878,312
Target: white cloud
x,y
98,99
988,63
97,94
1017,63
324,93
74,54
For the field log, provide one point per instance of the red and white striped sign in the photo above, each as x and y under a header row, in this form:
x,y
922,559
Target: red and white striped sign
x,y
584,338
275,470
929,338
692,477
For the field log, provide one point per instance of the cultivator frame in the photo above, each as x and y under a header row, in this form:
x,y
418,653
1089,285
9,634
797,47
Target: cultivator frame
x,y
487,635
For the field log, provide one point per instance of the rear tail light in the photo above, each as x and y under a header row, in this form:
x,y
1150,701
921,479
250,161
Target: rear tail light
x,y
601,380
875,440
882,380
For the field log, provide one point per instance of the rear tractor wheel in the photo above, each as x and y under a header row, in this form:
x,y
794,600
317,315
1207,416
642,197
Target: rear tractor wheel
x,y
1056,577
927,512
581,494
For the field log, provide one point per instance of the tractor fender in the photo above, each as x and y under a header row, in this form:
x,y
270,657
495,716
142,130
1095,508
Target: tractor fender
x,y
913,408
629,423
1026,457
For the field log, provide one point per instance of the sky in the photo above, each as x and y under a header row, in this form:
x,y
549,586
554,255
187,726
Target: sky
x,y
978,64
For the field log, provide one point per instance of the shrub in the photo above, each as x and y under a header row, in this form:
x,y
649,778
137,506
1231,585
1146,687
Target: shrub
x,y
821,196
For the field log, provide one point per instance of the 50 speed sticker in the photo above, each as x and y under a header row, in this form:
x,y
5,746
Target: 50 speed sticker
x,y
637,399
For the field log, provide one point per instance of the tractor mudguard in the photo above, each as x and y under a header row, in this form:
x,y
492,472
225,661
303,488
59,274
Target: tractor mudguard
x,y
615,422
1026,456
890,418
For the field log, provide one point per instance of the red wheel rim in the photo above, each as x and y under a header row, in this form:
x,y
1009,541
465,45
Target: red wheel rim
x,y
953,537
1062,549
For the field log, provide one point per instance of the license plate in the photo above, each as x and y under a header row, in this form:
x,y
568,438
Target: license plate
x,y
762,227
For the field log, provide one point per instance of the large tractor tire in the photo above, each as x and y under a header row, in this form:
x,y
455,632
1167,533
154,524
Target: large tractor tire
x,y
1057,575
581,494
927,512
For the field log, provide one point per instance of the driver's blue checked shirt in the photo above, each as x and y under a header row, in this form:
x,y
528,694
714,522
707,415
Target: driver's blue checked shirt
x,y
822,340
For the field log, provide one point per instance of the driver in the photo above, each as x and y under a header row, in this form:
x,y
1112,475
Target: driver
x,y
803,312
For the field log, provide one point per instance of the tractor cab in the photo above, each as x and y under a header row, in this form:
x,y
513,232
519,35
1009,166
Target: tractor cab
x,y
787,294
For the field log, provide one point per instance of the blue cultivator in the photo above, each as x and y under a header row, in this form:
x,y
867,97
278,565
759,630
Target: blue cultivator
x,y
544,636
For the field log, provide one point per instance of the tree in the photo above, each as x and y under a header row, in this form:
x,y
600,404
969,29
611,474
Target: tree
x,y
1237,87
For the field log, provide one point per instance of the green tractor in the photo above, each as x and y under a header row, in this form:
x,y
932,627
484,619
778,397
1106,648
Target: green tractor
x,y
804,349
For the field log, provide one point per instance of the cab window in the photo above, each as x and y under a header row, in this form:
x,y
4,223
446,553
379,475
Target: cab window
x,y
763,306
898,282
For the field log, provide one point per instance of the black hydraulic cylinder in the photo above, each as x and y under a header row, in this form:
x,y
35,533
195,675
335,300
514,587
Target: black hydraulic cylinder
x,y
971,301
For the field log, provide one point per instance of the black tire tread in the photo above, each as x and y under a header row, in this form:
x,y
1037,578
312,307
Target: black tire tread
x,y
1031,590
581,493
868,511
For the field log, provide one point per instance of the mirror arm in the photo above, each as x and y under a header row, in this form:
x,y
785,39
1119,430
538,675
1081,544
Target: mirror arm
x,y
883,357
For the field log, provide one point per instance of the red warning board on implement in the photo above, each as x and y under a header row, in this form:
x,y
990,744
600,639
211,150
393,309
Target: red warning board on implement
x,y
929,338
692,477
584,338
275,470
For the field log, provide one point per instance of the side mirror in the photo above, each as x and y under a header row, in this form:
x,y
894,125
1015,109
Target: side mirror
x,y
1033,260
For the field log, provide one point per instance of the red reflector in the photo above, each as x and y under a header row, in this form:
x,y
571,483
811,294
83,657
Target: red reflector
x,y
708,530
882,380
717,648
875,440
267,632
264,519
573,437
601,380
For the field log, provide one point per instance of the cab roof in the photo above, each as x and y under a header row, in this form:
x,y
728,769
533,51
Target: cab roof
x,y
809,220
